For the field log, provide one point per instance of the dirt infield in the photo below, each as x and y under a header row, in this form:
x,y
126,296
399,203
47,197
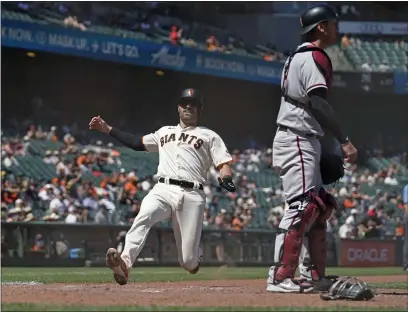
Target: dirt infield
x,y
198,293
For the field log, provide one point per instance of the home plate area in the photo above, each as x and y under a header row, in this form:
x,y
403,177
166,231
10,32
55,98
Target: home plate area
x,y
239,293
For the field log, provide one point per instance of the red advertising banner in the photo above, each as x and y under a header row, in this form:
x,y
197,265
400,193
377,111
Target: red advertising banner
x,y
366,253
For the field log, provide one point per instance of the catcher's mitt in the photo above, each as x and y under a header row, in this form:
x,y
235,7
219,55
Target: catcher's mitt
x,y
331,168
349,288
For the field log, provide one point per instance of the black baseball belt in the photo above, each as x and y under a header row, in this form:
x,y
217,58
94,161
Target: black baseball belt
x,y
181,183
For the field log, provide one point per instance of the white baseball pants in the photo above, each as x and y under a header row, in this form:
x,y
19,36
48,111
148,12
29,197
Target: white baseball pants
x,y
185,207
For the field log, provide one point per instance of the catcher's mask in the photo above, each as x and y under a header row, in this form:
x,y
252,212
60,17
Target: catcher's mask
x,y
349,288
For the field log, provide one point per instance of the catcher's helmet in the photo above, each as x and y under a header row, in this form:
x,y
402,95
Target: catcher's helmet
x,y
192,94
316,15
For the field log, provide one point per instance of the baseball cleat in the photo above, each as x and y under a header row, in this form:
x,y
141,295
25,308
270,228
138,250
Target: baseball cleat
x,y
118,266
289,285
195,270
323,284
200,256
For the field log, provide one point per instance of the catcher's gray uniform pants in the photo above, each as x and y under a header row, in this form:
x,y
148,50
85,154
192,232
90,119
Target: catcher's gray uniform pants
x,y
296,156
297,159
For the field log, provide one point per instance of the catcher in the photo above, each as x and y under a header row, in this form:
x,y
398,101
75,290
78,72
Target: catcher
x,y
298,156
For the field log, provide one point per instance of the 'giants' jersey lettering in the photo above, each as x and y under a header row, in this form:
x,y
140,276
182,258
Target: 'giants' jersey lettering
x,y
307,71
186,154
196,142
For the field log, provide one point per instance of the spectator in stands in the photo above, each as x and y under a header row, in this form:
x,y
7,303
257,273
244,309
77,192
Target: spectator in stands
x,y
34,133
388,225
134,211
8,160
352,218
399,228
100,216
26,145
29,217
72,21
58,204
63,169
9,192
345,41
52,135
349,202
346,230
390,179
71,217
371,226
212,44
70,146
367,67
107,203
269,57
48,157
213,205
367,177
146,185
52,157
13,147
208,219
15,215
221,220
85,160
275,215
175,35
83,216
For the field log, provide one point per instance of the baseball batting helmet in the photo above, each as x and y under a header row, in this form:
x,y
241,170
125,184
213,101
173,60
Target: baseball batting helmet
x,y
316,15
192,95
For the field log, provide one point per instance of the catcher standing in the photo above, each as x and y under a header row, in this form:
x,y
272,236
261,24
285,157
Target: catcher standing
x,y
297,154
186,153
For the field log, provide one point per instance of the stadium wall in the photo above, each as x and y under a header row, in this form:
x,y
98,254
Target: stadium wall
x,y
82,244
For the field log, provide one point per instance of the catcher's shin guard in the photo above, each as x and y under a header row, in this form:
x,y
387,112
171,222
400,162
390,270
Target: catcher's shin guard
x,y
296,221
317,248
317,236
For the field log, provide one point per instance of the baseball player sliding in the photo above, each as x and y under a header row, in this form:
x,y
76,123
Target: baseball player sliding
x,y
297,156
186,153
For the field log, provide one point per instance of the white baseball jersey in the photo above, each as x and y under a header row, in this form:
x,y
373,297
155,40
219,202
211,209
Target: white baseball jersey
x,y
302,77
186,154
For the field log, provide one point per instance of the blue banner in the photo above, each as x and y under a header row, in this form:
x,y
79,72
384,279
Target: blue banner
x,y
401,83
144,53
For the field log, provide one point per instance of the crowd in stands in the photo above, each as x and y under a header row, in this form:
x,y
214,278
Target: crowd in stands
x,y
155,21
90,184
376,55
162,22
